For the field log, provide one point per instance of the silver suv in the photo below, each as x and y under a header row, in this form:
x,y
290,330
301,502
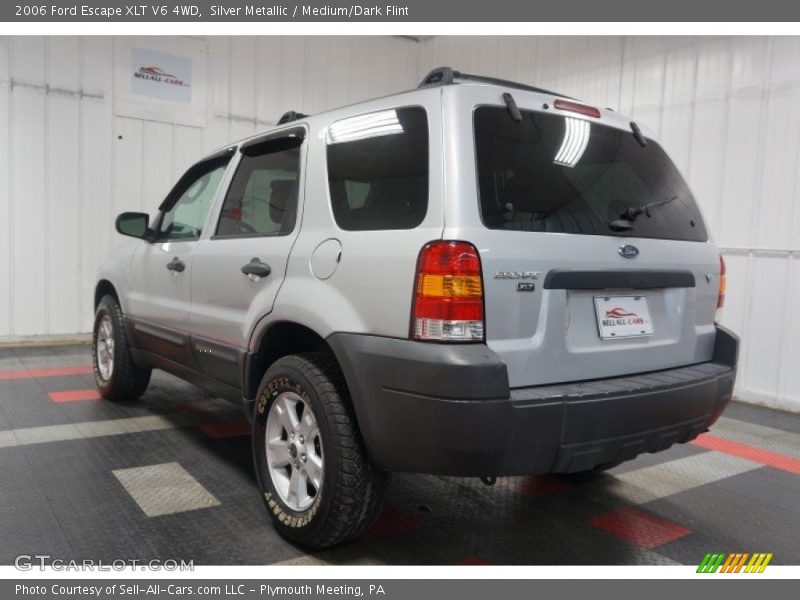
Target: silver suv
x,y
473,278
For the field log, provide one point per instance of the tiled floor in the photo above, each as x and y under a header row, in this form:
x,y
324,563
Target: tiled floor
x,y
164,489
171,476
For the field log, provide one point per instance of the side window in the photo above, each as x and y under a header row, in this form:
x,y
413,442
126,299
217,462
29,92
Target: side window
x,y
195,192
262,199
378,170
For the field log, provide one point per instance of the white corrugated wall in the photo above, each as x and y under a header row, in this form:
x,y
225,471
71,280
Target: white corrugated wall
x,y
726,108
69,165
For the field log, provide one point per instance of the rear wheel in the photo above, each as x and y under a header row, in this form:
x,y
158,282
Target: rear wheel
x,y
115,375
313,470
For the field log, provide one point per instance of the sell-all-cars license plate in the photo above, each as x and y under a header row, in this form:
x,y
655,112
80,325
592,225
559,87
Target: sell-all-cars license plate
x,y
623,317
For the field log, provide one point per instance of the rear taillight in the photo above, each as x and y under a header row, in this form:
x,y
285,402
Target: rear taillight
x,y
723,283
448,294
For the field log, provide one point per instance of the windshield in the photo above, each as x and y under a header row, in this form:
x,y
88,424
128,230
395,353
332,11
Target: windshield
x,y
552,173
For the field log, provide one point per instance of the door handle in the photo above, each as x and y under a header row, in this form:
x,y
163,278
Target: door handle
x,y
256,268
177,265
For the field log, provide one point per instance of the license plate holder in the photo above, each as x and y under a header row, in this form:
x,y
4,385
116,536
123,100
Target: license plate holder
x,y
623,317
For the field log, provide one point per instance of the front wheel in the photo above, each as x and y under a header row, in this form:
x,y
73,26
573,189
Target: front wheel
x,y
313,471
115,374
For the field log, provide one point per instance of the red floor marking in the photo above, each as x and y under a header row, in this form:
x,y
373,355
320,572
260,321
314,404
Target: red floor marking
x,y
225,429
53,372
74,395
390,522
765,457
472,560
535,487
639,527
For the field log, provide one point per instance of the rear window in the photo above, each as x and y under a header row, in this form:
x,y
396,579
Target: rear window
x,y
378,170
560,174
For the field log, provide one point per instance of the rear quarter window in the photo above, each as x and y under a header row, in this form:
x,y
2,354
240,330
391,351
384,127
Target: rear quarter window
x,y
561,174
378,170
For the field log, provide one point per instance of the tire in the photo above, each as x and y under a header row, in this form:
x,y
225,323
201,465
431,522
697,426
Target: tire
x,y
124,381
343,492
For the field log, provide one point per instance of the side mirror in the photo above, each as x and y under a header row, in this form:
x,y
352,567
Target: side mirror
x,y
133,224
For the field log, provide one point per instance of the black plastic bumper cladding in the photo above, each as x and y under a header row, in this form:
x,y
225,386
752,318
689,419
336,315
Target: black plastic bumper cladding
x,y
447,409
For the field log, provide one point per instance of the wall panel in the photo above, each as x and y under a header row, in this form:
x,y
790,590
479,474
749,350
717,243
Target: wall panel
x,y
69,165
157,158
96,200
63,214
5,188
28,212
63,62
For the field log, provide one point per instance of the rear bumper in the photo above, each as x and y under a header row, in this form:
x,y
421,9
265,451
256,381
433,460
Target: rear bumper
x,y
448,410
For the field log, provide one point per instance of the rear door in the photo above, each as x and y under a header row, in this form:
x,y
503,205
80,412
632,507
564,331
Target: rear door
x,y
238,270
581,280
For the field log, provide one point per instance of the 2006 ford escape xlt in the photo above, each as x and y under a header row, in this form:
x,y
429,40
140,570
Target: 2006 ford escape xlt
x,y
473,278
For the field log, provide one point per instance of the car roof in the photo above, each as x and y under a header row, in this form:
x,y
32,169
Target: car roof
x,y
443,77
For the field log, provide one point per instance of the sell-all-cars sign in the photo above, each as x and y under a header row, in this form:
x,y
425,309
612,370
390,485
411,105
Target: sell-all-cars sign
x,y
161,75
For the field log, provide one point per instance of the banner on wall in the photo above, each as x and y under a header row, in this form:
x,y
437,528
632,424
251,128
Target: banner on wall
x,y
160,75
161,79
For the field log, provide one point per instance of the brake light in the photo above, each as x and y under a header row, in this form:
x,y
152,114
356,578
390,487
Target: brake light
x,y
448,294
577,107
723,283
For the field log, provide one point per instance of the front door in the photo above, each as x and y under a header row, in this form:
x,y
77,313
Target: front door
x,y
161,271
237,271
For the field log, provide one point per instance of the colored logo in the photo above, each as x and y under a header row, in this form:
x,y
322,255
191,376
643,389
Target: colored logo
x,y
154,71
737,562
628,251
159,75
617,316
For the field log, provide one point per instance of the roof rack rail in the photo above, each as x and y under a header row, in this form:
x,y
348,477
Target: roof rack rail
x,y
290,116
449,76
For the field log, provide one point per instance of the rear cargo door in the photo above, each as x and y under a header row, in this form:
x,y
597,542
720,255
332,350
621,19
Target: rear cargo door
x,y
595,258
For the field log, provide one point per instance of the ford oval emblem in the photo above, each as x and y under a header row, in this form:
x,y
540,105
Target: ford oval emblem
x,y
628,251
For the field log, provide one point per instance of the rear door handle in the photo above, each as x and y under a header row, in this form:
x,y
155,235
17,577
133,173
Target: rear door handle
x,y
176,264
256,268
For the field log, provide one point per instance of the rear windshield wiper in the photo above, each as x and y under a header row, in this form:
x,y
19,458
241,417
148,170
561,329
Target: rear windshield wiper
x,y
637,133
626,219
512,108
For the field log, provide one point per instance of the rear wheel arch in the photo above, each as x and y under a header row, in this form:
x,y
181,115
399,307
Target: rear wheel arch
x,y
274,342
284,338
